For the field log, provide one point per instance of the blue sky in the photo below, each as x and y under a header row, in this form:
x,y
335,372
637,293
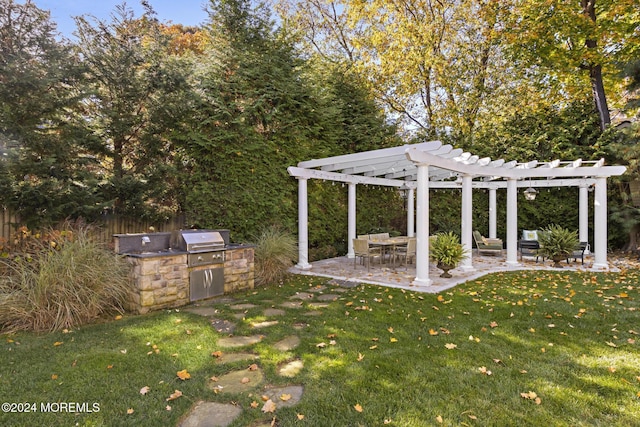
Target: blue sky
x,y
187,12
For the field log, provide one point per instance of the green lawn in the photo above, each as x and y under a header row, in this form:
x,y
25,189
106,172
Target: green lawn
x,y
518,348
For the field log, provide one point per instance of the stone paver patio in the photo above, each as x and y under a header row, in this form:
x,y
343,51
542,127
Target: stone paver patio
x,y
342,269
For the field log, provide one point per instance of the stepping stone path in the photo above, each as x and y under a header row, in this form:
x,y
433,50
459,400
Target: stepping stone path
x,y
250,379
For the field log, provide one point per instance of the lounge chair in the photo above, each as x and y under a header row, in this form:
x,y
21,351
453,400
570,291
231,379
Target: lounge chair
x,y
486,245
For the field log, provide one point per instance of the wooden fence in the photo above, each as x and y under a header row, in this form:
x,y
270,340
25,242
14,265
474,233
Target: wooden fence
x,y
105,228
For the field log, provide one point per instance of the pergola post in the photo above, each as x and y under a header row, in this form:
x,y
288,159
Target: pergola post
x,y
467,223
351,227
303,228
600,225
411,226
492,213
583,213
512,223
422,229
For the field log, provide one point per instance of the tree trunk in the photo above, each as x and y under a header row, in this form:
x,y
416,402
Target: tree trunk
x,y
595,70
599,97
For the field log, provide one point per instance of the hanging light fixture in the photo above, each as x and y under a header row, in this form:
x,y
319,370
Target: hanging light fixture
x,y
530,193
404,190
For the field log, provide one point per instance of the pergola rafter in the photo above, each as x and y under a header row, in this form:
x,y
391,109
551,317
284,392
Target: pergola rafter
x,y
418,167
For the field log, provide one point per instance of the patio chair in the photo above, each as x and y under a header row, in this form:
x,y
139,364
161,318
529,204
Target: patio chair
x,y
485,245
529,245
362,249
408,251
529,248
579,252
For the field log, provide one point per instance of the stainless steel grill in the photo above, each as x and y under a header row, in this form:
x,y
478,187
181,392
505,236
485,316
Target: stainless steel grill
x,y
195,241
205,260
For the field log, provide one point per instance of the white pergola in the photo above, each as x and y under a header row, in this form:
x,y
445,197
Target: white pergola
x,y
419,167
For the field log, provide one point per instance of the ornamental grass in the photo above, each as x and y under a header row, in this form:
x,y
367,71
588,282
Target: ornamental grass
x,y
62,284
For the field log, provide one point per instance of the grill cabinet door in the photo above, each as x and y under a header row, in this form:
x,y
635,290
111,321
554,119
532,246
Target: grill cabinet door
x,y
206,283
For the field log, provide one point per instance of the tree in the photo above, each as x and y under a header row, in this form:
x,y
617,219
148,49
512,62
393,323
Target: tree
x,y
47,163
436,67
139,99
575,45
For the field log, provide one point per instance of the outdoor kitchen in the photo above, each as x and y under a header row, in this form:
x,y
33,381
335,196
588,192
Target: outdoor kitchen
x,y
172,269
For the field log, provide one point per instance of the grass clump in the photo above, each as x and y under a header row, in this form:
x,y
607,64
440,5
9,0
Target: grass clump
x,y
275,252
62,284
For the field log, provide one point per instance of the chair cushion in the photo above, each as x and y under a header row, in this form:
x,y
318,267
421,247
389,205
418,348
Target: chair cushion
x,y
529,234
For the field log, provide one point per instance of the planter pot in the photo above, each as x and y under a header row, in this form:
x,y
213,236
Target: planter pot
x,y
556,260
445,268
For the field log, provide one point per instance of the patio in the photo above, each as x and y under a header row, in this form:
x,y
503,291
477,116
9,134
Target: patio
x,y
341,268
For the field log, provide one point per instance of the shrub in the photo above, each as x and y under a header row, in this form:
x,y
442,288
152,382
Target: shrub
x,y
62,285
275,252
445,248
557,241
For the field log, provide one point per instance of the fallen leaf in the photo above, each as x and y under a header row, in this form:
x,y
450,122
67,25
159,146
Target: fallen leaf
x,y
176,394
321,345
358,407
217,353
493,324
264,397
373,347
285,397
484,370
360,357
54,376
130,411
390,329
433,332
183,375
532,395
254,404
300,416
168,408
118,317
57,343
439,419
214,379
245,380
123,351
393,339
145,390
610,344
253,367
450,346
269,406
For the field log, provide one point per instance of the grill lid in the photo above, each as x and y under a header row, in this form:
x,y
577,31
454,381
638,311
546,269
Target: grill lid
x,y
198,241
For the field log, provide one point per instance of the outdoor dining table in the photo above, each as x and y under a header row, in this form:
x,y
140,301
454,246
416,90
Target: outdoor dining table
x,y
389,244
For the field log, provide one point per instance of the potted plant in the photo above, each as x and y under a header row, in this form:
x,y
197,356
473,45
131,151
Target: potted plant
x,y
557,243
446,250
